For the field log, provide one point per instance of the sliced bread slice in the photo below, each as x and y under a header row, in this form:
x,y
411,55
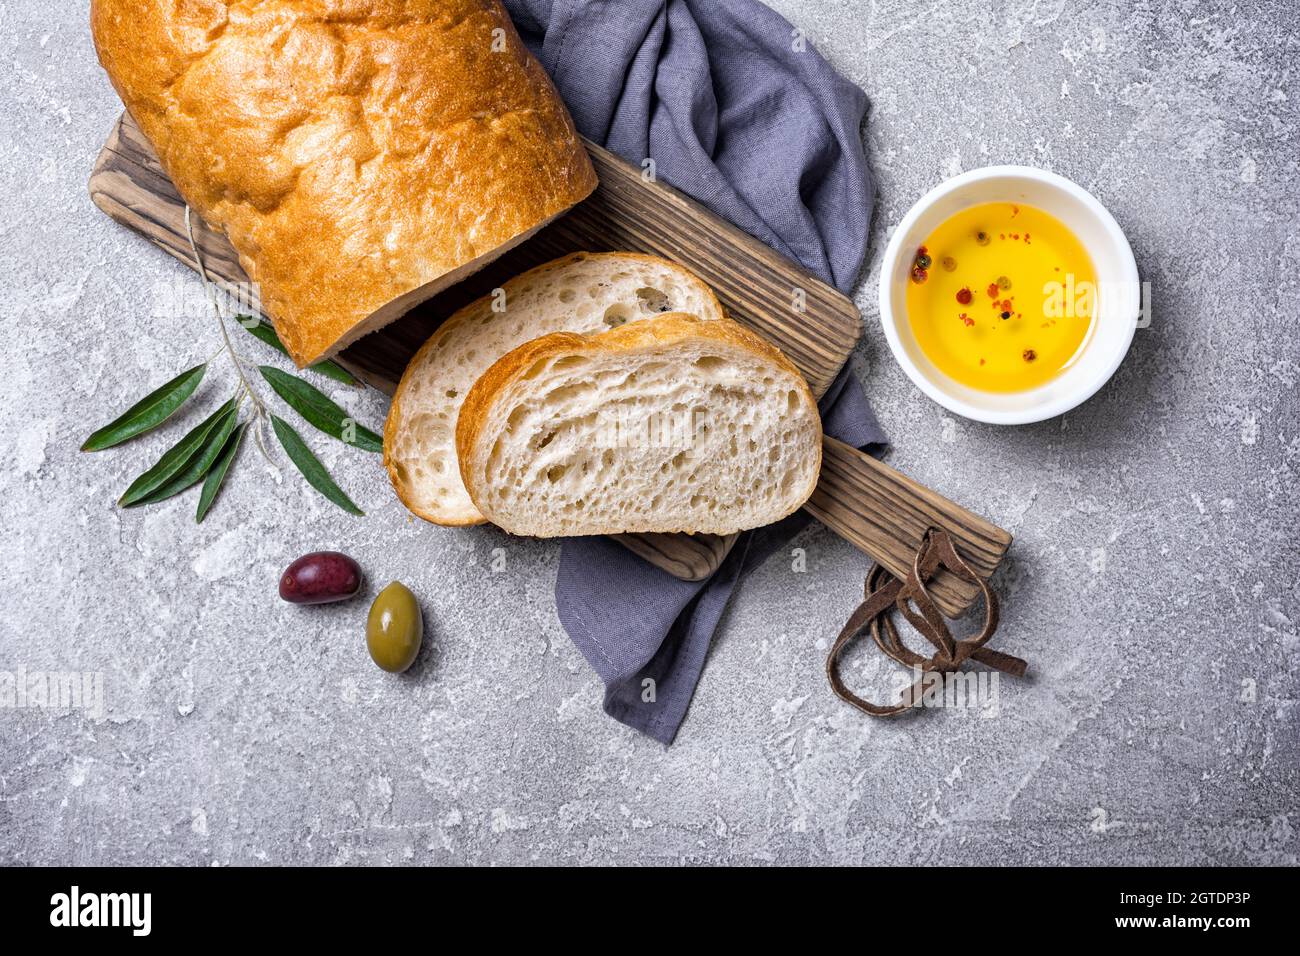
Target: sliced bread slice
x,y
664,424
583,292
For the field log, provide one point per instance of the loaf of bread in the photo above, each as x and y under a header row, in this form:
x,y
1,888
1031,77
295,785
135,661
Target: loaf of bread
x,y
664,424
584,292
360,155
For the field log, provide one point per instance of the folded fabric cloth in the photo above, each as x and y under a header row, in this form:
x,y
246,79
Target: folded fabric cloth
x,y
737,110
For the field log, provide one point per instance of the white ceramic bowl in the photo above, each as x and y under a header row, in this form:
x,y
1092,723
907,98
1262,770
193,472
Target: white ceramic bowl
x,y
1118,298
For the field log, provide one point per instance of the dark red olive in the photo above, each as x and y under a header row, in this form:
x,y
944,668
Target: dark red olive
x,y
320,577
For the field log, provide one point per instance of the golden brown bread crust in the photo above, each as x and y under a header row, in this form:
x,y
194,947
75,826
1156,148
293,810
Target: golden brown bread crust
x,y
668,328
353,151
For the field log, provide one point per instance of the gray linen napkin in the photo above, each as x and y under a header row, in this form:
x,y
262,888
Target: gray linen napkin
x,y
737,110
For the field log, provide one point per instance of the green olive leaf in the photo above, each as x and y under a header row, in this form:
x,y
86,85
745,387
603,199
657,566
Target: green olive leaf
x,y
148,413
319,410
198,465
217,473
335,371
261,329
310,465
175,458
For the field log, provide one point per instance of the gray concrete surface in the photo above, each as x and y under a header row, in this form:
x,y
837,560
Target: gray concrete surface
x,y
1153,584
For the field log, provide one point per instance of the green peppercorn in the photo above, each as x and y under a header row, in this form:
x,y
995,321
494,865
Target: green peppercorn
x,y
923,261
1004,283
982,237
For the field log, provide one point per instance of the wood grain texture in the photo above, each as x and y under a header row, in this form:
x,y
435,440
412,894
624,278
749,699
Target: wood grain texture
x,y
886,514
713,548
812,323
868,503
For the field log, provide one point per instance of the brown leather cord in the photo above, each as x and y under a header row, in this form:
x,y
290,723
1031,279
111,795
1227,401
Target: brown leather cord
x,y
884,591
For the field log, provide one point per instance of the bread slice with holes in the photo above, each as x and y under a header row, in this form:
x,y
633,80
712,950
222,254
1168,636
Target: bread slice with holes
x,y
669,423
583,292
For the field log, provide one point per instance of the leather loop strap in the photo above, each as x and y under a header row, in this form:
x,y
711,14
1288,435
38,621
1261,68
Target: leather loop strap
x,y
883,591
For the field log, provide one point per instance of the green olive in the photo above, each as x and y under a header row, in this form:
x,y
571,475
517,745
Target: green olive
x,y
394,628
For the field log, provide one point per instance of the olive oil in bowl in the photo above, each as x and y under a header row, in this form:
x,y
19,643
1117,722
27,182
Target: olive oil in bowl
x,y
1001,297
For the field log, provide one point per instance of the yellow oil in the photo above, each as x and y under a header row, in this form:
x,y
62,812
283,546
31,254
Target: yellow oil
x,y
1001,297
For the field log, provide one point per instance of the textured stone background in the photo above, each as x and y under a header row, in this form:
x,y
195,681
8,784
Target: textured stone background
x,y
1155,561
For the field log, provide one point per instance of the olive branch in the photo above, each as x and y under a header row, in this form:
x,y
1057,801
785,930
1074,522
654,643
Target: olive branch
x,y
206,452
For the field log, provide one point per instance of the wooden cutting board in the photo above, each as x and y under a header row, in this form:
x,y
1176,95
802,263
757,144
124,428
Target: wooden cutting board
x,y
870,504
